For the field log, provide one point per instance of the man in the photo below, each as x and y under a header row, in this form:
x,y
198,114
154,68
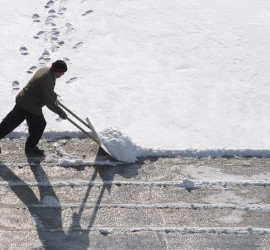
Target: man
x,y
38,92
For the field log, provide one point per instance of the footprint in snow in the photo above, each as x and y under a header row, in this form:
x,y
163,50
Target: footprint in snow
x,y
62,11
61,43
69,28
36,17
15,84
52,11
78,45
62,7
49,20
49,4
24,51
45,57
72,80
46,53
183,68
87,12
38,34
31,70
55,32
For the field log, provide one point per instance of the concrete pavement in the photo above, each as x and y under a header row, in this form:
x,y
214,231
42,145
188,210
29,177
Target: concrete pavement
x,y
155,203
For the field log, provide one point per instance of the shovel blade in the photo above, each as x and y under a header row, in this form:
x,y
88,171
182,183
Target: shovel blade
x,y
98,140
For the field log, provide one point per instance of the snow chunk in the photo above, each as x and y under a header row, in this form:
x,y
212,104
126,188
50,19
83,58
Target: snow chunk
x,y
71,162
105,231
188,184
119,145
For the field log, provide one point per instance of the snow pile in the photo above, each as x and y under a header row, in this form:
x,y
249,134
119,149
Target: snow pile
x,y
119,145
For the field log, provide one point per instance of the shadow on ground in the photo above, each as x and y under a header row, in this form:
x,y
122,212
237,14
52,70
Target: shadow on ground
x,y
49,219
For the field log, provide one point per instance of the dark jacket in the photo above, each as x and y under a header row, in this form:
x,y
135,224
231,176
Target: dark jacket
x,y
39,92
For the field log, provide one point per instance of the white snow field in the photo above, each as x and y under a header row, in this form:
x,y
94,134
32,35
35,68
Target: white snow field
x,y
159,77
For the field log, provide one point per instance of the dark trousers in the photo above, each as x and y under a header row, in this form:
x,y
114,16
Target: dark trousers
x,y
36,125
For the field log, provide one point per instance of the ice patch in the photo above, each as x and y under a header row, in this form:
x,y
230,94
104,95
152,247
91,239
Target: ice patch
x,y
211,174
233,217
120,145
226,197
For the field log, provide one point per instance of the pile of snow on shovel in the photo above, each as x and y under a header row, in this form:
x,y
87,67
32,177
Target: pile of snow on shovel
x,y
119,145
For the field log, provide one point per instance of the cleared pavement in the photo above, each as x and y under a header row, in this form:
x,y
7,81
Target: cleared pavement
x,y
79,198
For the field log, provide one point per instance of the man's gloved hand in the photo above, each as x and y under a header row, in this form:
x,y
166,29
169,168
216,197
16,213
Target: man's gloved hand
x,y
63,115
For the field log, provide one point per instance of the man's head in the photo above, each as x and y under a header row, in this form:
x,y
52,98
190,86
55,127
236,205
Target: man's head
x,y
59,68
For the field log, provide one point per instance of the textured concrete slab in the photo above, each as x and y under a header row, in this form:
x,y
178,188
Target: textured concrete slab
x,y
77,197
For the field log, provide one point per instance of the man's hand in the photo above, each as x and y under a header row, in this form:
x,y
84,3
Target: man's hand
x,y
63,115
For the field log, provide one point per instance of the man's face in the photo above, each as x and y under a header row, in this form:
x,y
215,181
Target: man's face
x,y
59,74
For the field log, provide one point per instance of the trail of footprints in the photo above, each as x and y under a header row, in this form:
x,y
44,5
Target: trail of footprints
x,y
53,36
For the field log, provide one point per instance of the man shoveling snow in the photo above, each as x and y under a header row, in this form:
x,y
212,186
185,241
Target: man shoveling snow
x,y
38,92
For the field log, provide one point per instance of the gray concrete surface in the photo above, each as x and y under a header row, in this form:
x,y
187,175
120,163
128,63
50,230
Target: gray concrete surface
x,y
155,203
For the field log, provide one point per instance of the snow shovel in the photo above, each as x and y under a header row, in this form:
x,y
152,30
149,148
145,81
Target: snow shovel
x,y
94,136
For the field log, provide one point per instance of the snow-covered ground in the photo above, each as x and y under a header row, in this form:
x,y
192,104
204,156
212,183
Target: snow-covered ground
x,y
159,76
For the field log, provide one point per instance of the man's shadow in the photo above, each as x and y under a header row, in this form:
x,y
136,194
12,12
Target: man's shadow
x,y
49,218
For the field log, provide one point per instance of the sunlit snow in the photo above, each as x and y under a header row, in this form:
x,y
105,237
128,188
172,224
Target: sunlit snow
x,y
168,75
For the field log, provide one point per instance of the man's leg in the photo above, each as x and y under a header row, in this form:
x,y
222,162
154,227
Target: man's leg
x,y
13,119
36,127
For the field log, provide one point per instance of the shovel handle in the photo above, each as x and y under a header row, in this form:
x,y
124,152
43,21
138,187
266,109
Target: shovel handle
x,y
87,134
78,118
